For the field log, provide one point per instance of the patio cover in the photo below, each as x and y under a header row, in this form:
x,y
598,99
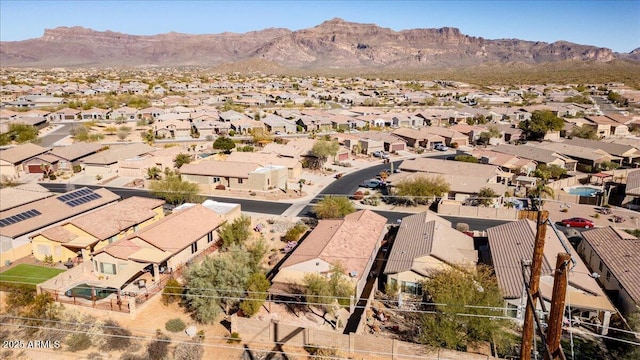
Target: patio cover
x,y
150,255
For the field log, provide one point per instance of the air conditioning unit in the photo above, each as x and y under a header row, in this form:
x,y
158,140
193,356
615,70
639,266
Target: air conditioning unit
x,y
353,274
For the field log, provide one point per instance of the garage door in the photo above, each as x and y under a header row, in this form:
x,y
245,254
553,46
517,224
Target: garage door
x,y
397,147
35,169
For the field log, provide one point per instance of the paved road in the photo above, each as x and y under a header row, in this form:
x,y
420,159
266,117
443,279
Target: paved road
x,y
257,206
55,136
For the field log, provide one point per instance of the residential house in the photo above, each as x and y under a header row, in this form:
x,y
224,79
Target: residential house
x,y
65,114
353,242
489,173
613,255
417,138
235,175
632,190
165,245
628,153
293,164
17,224
77,238
95,114
106,162
124,113
277,124
174,129
587,158
539,154
72,155
506,162
14,196
390,143
246,125
461,187
424,245
43,163
512,243
137,166
606,125
12,160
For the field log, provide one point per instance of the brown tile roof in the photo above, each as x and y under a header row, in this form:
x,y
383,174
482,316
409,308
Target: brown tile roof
x,y
220,168
427,234
75,151
59,234
179,230
20,153
350,241
441,166
111,220
620,252
51,211
121,249
115,153
22,194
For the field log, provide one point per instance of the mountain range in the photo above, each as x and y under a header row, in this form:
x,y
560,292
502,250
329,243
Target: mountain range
x,y
334,44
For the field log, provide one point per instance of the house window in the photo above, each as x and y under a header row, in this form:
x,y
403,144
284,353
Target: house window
x,y
107,268
411,288
210,237
239,181
194,247
44,250
608,276
600,266
216,179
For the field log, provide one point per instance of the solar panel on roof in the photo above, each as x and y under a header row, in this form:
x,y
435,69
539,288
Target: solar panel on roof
x,y
75,194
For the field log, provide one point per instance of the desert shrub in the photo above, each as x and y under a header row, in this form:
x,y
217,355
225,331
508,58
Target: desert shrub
x,y
462,227
117,337
294,233
78,342
159,348
95,356
52,177
172,291
358,195
77,168
234,338
188,351
175,325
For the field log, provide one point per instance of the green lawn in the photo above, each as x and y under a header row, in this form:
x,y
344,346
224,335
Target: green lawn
x,y
29,275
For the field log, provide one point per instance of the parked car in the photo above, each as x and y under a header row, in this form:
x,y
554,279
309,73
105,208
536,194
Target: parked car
x,y
373,183
578,222
441,147
381,154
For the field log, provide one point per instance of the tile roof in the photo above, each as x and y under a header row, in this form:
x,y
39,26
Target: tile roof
x,y
220,168
620,252
51,211
111,220
350,241
179,230
442,166
116,153
426,234
20,153
22,194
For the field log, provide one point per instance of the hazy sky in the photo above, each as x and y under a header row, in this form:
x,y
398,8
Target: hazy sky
x,y
611,23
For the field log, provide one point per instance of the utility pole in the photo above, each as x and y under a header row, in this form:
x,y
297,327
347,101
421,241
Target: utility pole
x,y
534,286
554,331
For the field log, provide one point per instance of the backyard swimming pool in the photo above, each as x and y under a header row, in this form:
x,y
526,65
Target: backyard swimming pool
x,y
583,190
84,291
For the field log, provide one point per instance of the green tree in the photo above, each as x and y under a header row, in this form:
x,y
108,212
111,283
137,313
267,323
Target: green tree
x,y
218,283
546,172
257,287
422,188
175,191
123,132
333,207
607,165
584,132
172,291
20,133
323,291
236,232
322,149
181,159
295,232
154,173
466,158
541,122
453,292
486,196
224,143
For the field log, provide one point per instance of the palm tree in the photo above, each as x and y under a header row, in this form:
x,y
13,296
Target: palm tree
x,y
541,190
153,173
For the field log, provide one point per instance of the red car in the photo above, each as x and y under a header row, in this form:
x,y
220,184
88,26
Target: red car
x,y
578,222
